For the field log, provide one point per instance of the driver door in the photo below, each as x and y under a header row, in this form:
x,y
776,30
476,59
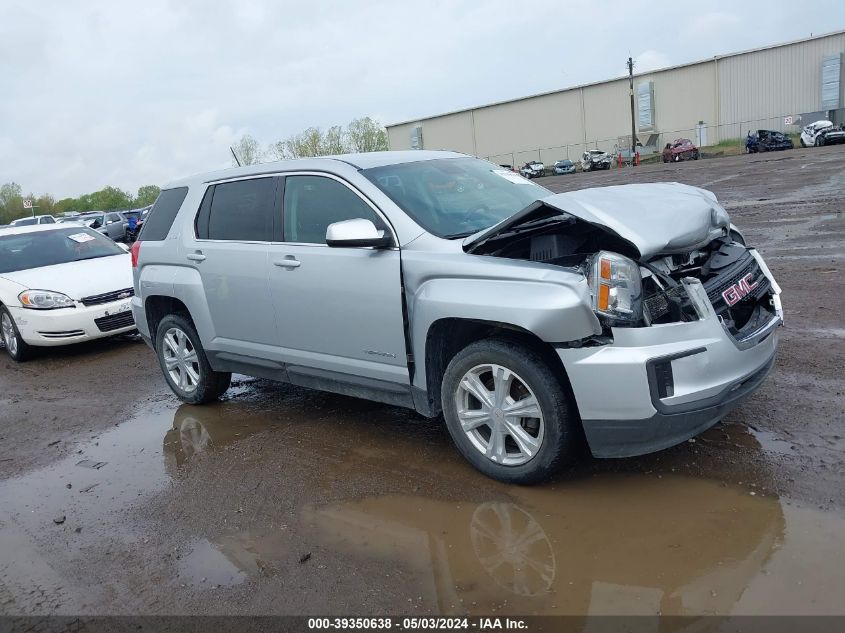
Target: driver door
x,y
338,309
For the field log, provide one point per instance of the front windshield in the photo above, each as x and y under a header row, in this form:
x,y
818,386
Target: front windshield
x,y
455,197
22,251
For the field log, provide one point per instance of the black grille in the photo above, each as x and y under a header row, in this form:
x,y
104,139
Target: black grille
x,y
114,321
715,287
108,297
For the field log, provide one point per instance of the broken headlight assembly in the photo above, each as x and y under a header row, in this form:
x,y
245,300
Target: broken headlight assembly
x,y
616,288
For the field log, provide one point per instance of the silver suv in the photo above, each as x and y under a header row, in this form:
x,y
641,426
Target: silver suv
x,y
446,284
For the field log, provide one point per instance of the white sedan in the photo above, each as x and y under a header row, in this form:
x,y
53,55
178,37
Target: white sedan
x,y
61,284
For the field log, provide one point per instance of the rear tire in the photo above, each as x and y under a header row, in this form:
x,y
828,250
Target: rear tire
x,y
16,348
516,449
184,364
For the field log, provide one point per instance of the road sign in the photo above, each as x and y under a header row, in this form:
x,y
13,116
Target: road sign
x,y
27,204
787,120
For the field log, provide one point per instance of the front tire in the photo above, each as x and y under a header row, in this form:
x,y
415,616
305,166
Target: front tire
x,y
16,348
184,364
507,412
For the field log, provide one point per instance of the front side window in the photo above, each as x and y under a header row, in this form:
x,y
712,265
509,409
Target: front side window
x,y
239,211
455,197
314,202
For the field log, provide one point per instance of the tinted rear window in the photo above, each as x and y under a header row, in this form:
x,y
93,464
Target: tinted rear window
x,y
240,211
163,213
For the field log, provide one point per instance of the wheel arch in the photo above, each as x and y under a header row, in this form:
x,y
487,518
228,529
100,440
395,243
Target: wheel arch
x,y
448,336
156,307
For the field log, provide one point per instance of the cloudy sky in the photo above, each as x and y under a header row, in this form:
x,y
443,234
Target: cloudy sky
x,y
130,93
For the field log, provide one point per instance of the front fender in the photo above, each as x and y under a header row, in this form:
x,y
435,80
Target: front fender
x,y
553,312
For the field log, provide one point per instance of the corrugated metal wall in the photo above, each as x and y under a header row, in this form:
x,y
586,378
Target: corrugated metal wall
x,y
730,95
758,89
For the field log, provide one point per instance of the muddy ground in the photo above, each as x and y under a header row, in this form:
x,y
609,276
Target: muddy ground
x,y
280,500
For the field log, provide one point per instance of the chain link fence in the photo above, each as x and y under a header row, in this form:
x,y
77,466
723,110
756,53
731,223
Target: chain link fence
x,y
712,140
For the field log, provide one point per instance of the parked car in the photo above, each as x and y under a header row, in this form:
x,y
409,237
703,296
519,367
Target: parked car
x,y
533,169
680,149
635,313
61,284
821,133
32,220
767,141
564,167
111,224
595,159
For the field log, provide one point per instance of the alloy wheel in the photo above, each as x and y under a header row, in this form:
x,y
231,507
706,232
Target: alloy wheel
x,y
181,360
10,339
500,414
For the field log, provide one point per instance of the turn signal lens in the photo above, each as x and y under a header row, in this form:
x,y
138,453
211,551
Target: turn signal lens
x,y
604,297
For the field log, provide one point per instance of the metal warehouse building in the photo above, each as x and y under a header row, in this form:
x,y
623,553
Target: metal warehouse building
x,y
777,87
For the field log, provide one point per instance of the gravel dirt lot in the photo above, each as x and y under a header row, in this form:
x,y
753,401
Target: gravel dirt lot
x,y
280,500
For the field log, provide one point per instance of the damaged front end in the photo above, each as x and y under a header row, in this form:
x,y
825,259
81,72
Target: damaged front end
x,y
688,312
652,255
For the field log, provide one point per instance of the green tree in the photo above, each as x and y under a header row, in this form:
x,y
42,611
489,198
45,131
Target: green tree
x,y
11,203
366,135
147,195
248,150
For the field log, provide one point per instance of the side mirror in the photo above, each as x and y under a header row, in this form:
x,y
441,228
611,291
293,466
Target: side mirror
x,y
358,232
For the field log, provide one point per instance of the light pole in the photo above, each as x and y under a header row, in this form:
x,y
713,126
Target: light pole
x,y
633,121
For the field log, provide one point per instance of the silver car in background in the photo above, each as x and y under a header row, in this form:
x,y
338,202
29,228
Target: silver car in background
x,y
446,284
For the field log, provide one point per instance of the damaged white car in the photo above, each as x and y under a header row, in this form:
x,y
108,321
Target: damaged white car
x,y
635,313
822,133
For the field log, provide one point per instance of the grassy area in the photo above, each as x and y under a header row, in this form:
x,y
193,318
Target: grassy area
x,y
726,147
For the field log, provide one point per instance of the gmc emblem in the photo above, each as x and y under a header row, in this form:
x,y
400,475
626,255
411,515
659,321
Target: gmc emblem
x,y
738,291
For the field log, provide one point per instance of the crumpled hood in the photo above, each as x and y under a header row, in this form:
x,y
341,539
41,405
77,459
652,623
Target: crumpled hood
x,y
655,218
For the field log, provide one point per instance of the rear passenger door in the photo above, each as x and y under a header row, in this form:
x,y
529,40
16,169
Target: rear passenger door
x,y
339,309
233,229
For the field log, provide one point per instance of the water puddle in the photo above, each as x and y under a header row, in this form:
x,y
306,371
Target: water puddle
x,y
608,544
207,567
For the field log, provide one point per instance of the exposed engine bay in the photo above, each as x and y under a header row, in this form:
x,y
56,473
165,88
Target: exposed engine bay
x,y
737,287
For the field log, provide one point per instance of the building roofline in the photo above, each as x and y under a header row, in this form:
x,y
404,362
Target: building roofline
x,y
607,81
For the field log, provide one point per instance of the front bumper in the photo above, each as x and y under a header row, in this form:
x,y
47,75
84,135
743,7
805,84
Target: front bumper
x,y
49,328
620,392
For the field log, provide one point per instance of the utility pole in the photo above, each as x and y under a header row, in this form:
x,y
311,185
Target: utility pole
x,y
633,121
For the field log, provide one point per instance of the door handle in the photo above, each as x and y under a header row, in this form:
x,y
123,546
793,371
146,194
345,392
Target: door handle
x,y
288,262
196,257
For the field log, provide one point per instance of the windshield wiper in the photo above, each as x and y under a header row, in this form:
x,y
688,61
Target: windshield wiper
x,y
530,226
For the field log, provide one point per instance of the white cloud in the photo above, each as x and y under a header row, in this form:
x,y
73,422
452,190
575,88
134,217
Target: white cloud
x,y
713,25
650,60
126,94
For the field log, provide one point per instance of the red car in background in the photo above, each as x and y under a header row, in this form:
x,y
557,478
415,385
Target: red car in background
x,y
681,149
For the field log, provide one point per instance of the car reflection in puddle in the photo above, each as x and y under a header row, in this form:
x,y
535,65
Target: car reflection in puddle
x,y
632,545
607,544
200,429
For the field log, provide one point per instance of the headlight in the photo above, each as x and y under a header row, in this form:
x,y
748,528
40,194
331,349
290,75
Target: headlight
x,y
616,287
44,300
